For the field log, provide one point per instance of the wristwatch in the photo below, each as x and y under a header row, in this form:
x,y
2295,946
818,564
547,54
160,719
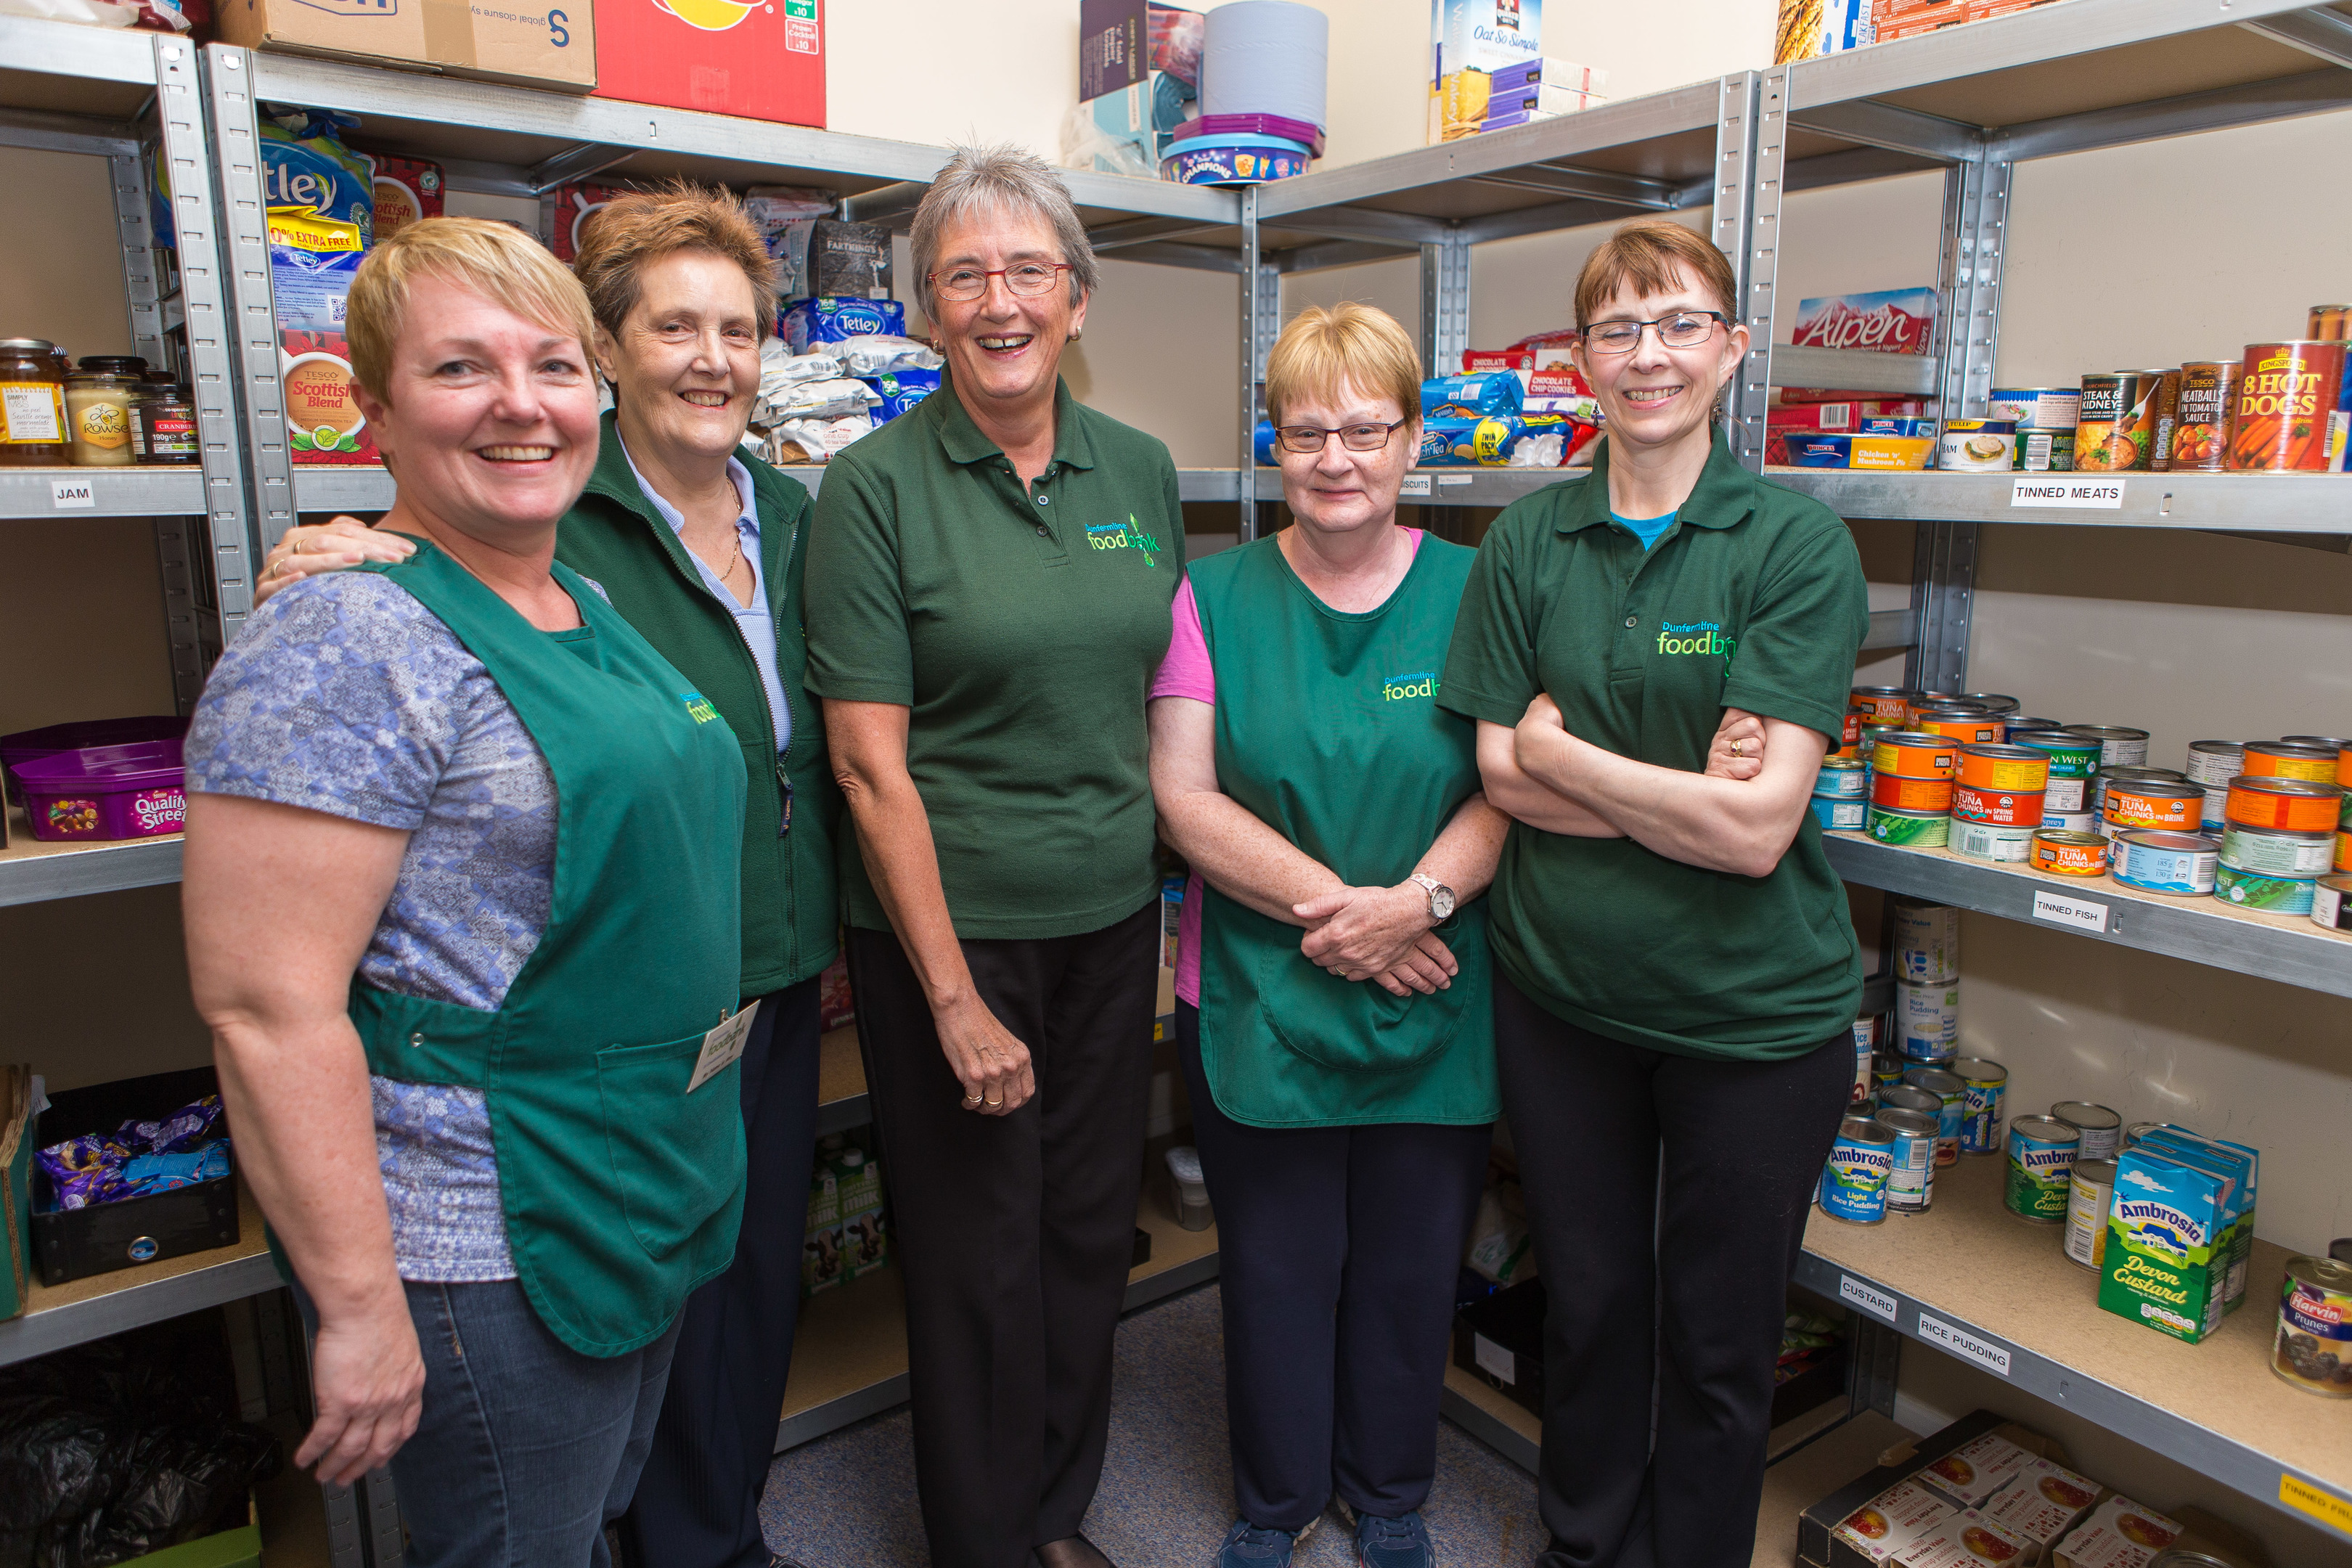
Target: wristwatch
x,y
1441,896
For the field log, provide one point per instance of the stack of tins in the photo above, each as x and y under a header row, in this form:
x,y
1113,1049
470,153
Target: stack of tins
x,y
2332,900
2283,826
2279,408
1997,802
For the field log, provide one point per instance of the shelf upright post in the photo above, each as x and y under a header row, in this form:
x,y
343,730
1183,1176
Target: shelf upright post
x,y
1261,313
245,231
208,567
1444,338
1751,129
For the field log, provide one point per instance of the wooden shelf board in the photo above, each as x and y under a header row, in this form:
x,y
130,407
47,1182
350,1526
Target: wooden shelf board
x,y
840,1070
32,869
73,1292
1494,1402
849,1338
1970,1258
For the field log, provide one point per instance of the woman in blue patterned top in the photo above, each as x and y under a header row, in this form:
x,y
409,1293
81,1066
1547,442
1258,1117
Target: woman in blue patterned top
x,y
463,914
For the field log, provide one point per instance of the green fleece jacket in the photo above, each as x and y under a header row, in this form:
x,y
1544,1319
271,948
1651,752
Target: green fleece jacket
x,y
792,916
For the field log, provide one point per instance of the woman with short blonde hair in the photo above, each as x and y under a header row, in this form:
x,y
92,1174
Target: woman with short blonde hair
x,y
461,913
1333,1016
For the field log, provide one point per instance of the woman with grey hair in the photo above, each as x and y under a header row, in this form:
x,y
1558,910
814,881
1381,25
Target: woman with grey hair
x,y
988,588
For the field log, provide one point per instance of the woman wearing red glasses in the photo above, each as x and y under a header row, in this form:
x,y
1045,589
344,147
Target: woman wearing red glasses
x,y
990,578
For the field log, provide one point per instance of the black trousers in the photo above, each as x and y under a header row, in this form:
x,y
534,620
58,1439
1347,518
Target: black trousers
x,y
698,1499
1016,1231
1667,1197
1338,1249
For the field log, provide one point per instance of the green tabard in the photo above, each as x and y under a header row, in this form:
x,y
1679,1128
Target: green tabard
x,y
621,1192
1327,729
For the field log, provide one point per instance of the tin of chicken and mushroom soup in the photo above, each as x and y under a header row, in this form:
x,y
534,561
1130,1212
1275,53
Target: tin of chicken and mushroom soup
x,y
2166,862
2040,1166
2279,759
2294,806
2119,746
1914,754
1911,1170
1984,1116
2070,853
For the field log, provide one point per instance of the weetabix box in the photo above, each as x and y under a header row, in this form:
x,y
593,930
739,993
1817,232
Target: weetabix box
x,y
534,43
762,60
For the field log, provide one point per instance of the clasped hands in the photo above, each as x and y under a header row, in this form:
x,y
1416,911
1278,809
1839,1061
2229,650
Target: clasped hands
x,y
1377,934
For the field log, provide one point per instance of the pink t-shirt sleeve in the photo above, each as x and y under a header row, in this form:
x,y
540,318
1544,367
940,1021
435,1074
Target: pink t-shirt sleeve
x,y
1185,671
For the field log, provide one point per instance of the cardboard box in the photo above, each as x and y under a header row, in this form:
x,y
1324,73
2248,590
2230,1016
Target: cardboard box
x,y
565,212
762,60
406,189
538,43
1469,42
2128,1546
1830,1535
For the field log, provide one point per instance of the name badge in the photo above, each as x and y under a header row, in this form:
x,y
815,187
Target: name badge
x,y
721,1047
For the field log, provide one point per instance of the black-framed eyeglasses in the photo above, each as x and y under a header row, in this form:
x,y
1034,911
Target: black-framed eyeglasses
x,y
1678,330
1029,278
1305,438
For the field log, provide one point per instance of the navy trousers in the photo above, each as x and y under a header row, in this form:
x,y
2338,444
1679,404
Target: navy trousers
x,y
698,1498
1337,1249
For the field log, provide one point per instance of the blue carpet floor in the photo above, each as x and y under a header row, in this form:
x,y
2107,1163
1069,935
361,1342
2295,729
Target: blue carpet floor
x,y
847,1501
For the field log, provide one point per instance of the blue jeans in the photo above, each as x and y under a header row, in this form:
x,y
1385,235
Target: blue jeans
x,y
526,1447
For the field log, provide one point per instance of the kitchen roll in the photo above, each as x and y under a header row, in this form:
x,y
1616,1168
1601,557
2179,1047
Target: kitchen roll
x,y
1266,56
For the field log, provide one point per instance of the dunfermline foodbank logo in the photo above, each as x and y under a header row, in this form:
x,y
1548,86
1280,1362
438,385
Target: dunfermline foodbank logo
x,y
1405,687
1687,638
1128,535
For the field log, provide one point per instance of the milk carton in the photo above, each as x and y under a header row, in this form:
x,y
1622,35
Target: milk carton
x,y
821,1242
857,1177
2167,1261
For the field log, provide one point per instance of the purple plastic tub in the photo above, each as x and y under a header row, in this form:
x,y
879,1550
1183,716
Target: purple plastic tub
x,y
101,793
1223,125
27,744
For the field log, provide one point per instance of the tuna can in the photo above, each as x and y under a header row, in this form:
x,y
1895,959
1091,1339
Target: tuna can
x,y
2331,903
1837,816
1926,941
1949,1089
1911,1170
2275,851
1999,807
2017,721
2118,747
1911,829
1983,1117
2215,761
2200,424
2090,1193
2286,398
1886,1070
2072,760
2277,759
2336,743
1977,446
2001,844
2041,1168
2101,1128
1881,704
2121,412
2163,803
2344,844
2166,862
2297,806
1854,1183
1964,722
2069,821
2004,768
1842,778
2271,895
1927,1019
1914,754
2314,1348
1995,703
2064,854
1897,793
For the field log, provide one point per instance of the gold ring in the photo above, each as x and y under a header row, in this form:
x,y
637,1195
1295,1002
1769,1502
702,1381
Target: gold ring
x,y
995,1104
1736,745
1341,969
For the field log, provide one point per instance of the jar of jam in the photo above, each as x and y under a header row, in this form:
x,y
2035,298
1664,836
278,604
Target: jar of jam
x,y
32,405
99,395
166,427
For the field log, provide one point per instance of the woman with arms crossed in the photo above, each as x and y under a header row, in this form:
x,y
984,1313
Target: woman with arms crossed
x,y
461,900
988,595
700,546
1677,973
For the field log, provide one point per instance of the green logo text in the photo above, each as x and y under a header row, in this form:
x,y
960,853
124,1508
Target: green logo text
x,y
699,706
1403,687
1128,535
1695,637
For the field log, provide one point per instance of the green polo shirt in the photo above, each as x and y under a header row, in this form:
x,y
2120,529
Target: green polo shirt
x,y
1021,628
1753,599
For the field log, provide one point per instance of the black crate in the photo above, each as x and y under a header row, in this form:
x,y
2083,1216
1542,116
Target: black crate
x,y
74,1244
1499,1341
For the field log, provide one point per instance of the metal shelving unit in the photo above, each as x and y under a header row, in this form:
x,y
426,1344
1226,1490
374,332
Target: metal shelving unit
x,y
32,872
321,491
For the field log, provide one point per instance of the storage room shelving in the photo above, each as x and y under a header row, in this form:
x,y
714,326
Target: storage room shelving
x,y
1973,101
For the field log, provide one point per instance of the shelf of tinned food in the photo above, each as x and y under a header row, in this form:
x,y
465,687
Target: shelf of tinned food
x,y
368,491
1999,1293
2290,949
32,870
66,494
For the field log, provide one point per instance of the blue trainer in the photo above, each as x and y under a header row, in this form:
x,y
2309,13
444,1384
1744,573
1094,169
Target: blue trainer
x,y
1393,1542
1246,1546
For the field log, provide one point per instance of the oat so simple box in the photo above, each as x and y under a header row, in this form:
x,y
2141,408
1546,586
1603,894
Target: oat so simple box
x,y
533,43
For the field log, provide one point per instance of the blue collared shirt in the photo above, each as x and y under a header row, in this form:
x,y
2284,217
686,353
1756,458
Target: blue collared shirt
x,y
753,621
